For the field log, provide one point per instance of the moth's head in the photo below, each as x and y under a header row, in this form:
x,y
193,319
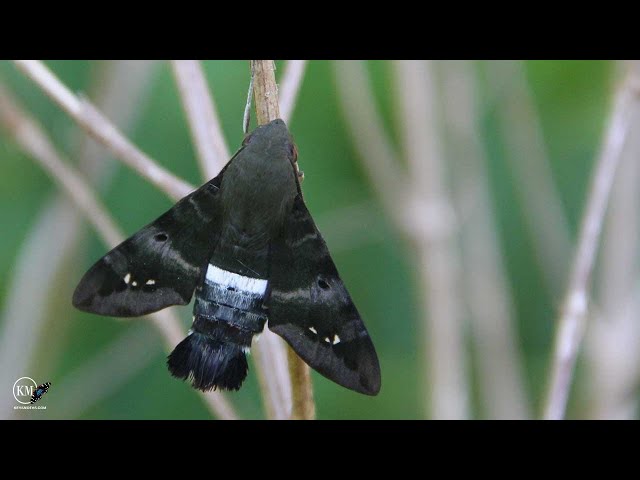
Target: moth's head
x,y
274,140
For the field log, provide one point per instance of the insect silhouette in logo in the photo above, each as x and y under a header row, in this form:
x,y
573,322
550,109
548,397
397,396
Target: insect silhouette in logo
x,y
40,391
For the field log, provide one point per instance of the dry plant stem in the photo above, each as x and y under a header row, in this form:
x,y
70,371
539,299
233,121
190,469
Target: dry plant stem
x,y
102,375
390,182
120,89
526,152
30,136
57,231
202,116
612,357
621,231
32,140
290,86
352,226
573,317
111,368
489,299
25,309
270,351
367,129
303,407
612,345
434,235
123,84
89,118
265,92
273,375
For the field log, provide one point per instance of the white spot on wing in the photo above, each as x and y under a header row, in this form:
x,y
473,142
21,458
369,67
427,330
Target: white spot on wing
x,y
313,330
134,284
234,280
127,278
151,282
326,339
336,339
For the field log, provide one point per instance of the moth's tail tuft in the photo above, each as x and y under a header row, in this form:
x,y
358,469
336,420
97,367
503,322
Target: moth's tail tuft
x,y
209,362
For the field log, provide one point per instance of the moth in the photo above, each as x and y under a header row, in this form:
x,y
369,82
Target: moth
x,y
40,391
246,244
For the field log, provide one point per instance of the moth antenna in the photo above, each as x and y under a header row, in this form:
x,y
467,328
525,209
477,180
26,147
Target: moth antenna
x,y
246,119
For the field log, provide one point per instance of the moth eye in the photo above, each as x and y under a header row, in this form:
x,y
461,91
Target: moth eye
x,y
323,285
161,237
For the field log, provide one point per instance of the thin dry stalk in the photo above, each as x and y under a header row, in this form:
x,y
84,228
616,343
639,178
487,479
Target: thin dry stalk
x,y
273,375
31,138
612,358
107,371
201,113
612,345
489,298
265,91
526,153
572,321
119,89
417,216
57,231
290,86
25,310
434,234
367,130
100,128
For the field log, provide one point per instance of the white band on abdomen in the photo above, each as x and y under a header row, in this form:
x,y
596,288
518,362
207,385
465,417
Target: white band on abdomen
x,y
234,280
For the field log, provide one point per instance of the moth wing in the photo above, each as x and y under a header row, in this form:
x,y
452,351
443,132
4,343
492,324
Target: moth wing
x,y
158,266
310,307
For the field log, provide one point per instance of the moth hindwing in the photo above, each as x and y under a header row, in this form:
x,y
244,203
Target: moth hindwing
x,y
309,307
247,245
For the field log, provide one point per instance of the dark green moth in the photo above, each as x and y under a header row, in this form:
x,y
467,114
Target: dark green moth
x,y
247,245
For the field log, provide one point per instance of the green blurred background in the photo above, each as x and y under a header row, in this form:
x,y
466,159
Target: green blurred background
x,y
103,368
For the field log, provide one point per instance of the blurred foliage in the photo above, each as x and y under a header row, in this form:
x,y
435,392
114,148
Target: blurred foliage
x,y
572,101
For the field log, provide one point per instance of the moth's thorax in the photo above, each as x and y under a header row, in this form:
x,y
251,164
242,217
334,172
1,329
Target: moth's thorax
x,y
258,188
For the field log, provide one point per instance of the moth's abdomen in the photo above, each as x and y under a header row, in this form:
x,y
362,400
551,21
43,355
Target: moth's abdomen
x,y
211,361
227,314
